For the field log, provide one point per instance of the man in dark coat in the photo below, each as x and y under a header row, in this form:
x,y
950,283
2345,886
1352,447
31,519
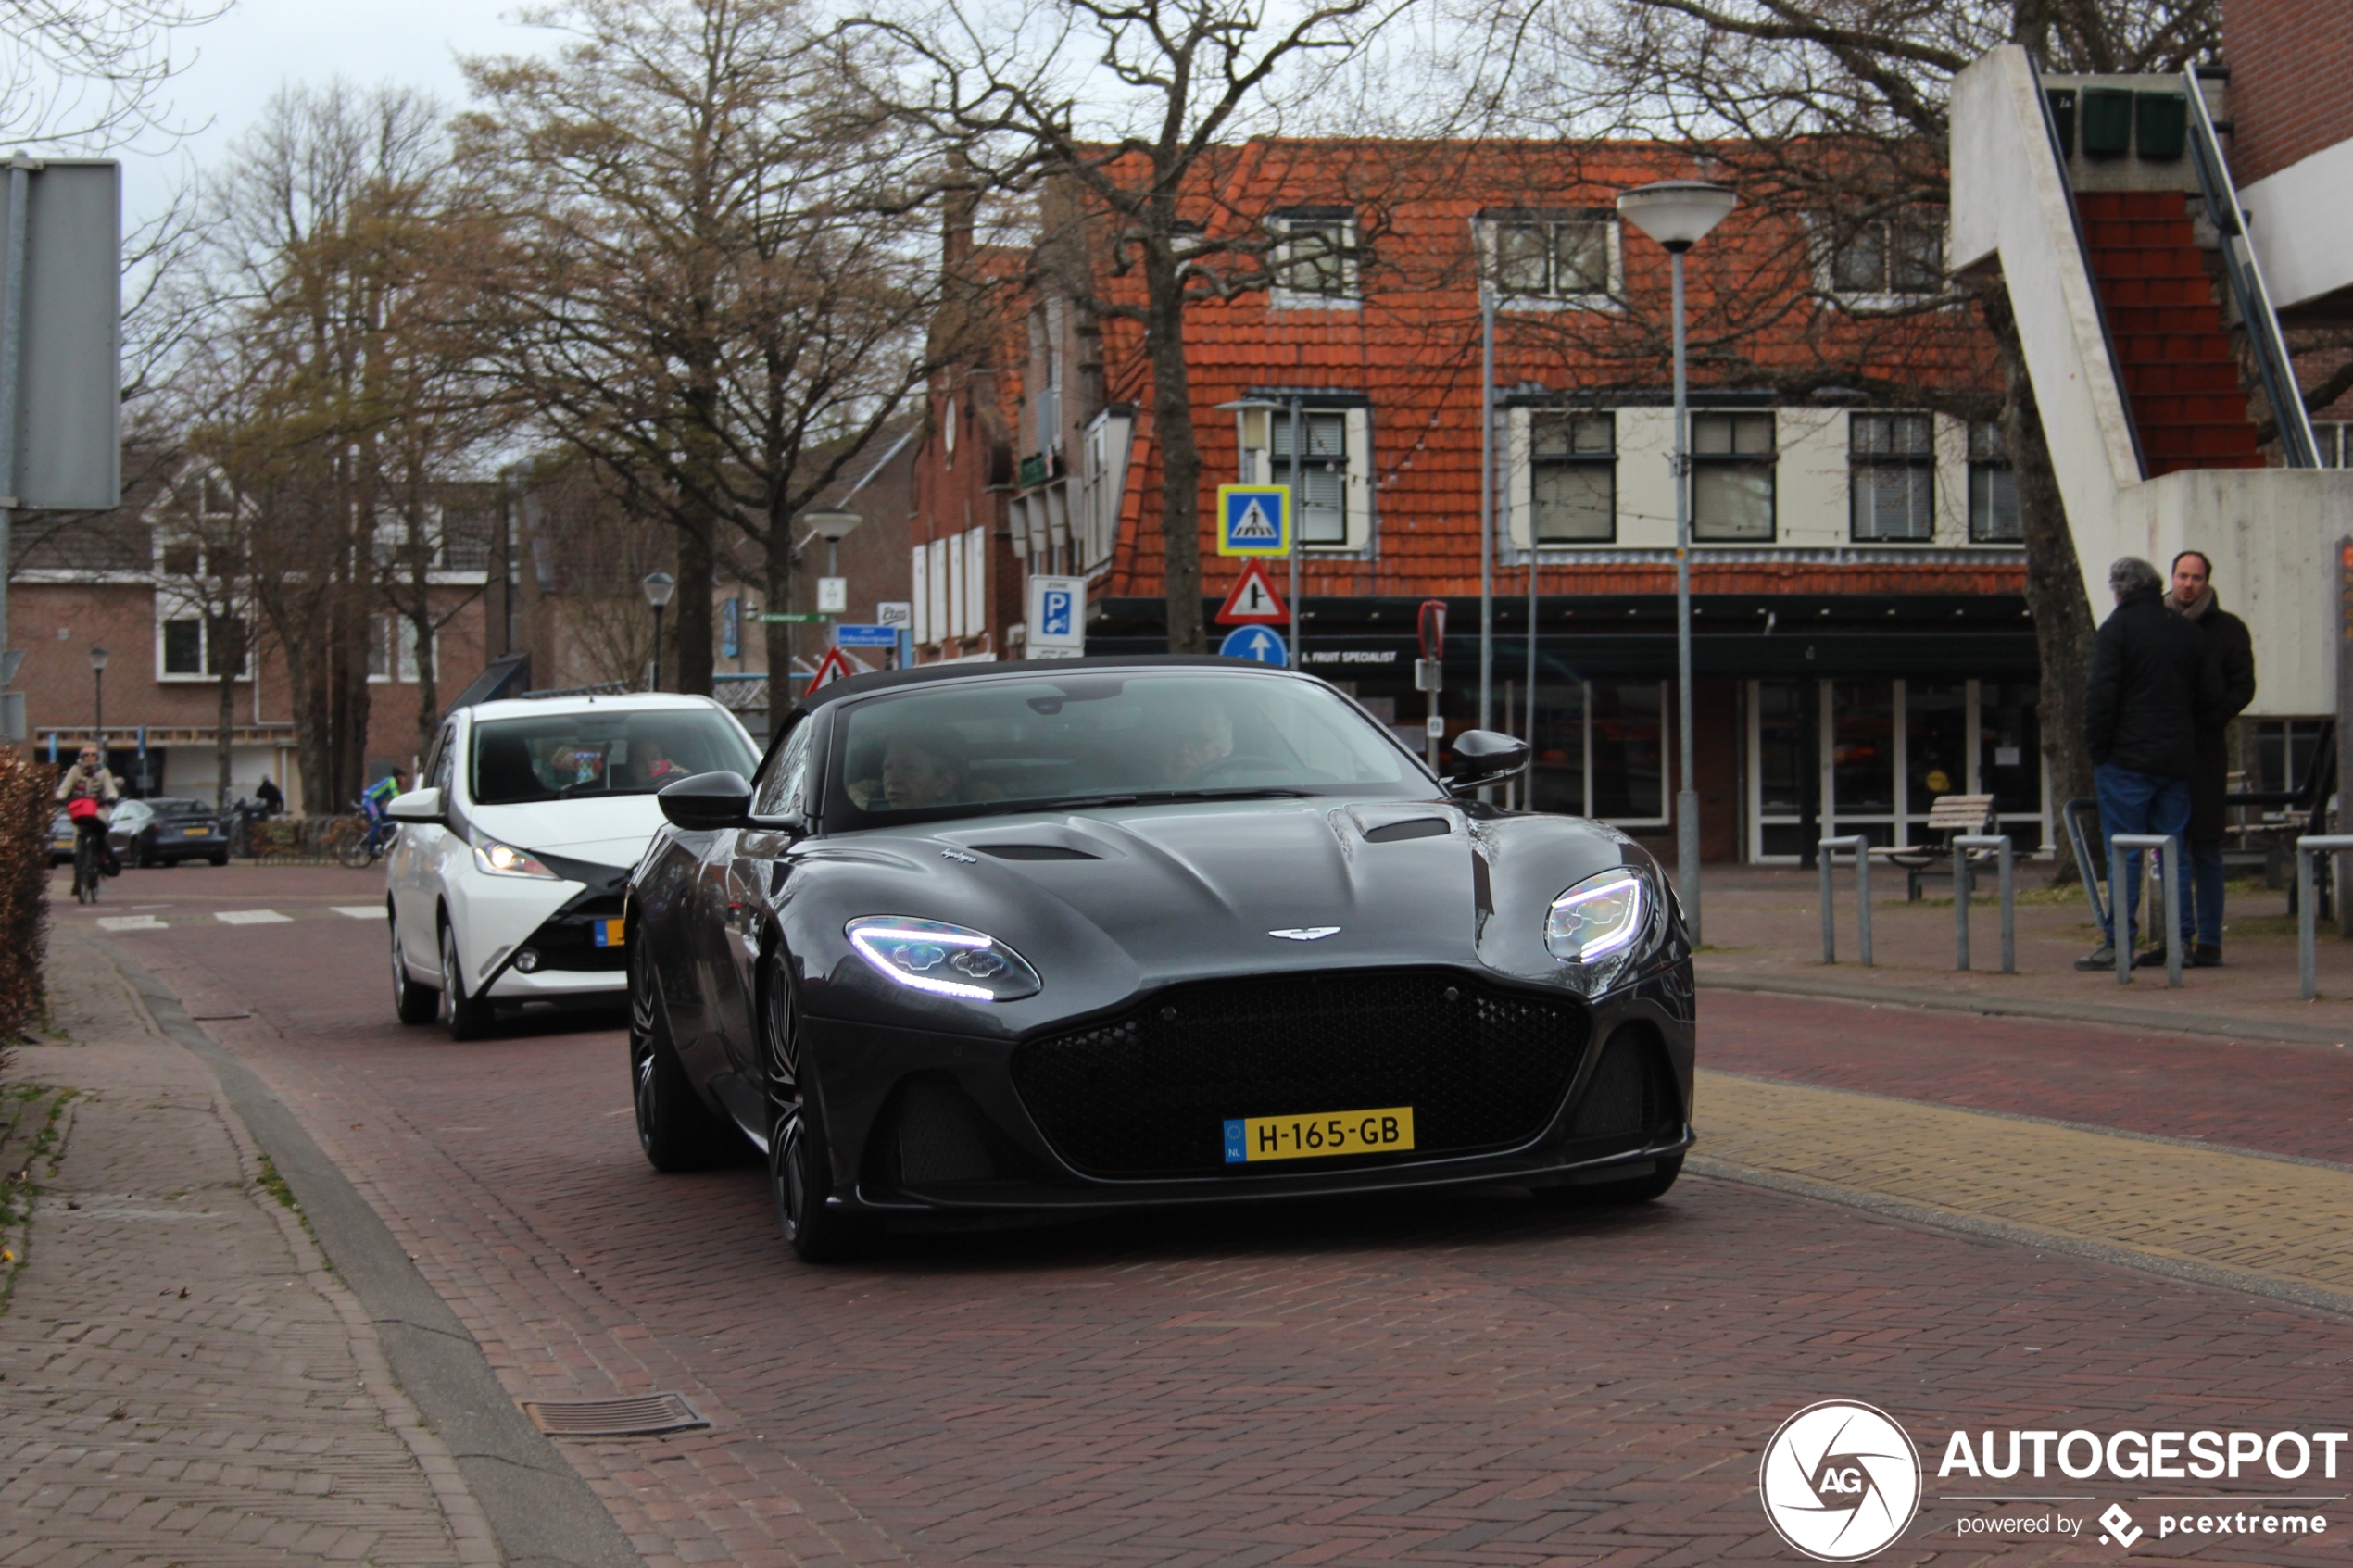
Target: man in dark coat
x,y
2193,599
2154,683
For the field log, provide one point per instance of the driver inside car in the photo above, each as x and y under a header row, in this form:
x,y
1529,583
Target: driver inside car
x,y
920,770
1198,737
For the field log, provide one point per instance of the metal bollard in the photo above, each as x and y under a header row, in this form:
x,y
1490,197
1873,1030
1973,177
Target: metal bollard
x,y
1961,847
2307,915
2119,914
1861,845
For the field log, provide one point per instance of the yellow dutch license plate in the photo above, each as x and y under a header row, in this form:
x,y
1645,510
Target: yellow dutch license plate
x,y
610,933
1252,1138
198,833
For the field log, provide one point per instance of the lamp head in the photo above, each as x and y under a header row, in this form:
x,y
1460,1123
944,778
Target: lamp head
x,y
831,525
1676,213
659,586
98,661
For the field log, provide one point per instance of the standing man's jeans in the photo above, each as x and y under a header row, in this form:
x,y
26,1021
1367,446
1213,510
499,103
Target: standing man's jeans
x,y
2203,927
2132,802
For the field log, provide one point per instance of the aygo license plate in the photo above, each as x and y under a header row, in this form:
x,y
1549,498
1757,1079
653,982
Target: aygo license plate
x,y
1252,1138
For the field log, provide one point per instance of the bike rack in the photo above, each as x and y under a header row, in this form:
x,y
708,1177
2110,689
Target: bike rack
x,y
2120,932
2000,844
2075,814
2306,908
1861,845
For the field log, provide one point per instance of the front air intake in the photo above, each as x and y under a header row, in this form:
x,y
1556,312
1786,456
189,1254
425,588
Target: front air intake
x,y
1632,1090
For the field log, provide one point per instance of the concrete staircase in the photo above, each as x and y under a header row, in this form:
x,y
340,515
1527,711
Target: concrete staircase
x,y
2181,377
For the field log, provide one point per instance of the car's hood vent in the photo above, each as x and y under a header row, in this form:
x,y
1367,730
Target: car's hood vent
x,y
1035,852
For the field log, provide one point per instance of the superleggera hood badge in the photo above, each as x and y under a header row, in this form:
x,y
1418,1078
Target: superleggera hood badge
x,y
1304,933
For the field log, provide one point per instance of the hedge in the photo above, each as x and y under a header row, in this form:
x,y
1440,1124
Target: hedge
x,y
26,806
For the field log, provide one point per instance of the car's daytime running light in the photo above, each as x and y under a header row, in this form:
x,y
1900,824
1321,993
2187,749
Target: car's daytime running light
x,y
1600,926
946,961
494,859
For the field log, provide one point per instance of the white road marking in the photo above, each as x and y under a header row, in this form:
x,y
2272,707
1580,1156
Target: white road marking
x,y
359,911
131,922
251,917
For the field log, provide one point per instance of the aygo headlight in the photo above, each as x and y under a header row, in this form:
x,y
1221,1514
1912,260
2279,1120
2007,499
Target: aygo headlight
x,y
494,858
1601,927
946,961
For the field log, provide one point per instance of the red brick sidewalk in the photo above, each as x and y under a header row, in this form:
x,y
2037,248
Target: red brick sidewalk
x,y
1461,1382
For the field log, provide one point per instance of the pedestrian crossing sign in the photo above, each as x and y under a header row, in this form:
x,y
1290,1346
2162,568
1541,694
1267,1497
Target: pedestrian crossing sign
x,y
1253,520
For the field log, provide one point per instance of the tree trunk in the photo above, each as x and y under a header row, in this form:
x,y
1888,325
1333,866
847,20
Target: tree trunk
x,y
778,637
428,671
230,657
348,704
2055,595
690,608
1179,458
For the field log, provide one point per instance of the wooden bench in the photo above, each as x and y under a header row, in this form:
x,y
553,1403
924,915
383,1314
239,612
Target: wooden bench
x,y
1949,817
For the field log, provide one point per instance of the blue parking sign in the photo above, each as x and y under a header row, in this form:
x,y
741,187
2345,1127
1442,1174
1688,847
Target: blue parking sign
x,y
1253,520
1055,604
1255,641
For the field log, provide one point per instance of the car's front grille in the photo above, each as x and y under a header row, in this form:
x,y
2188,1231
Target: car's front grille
x,y
1149,1092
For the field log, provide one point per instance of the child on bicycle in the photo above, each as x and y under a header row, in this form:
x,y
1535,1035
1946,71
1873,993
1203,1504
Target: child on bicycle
x,y
90,780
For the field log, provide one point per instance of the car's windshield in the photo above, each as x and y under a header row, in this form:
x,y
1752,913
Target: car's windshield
x,y
577,756
169,808
991,746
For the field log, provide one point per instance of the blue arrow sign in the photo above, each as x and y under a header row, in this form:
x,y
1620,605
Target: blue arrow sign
x,y
866,636
1255,641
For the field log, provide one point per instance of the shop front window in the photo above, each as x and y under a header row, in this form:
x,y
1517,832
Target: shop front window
x,y
1936,743
1627,753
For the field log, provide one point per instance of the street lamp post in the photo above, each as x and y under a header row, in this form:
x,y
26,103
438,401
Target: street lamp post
x,y
99,700
659,586
1678,214
832,527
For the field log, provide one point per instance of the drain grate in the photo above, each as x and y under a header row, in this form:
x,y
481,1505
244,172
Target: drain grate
x,y
640,1417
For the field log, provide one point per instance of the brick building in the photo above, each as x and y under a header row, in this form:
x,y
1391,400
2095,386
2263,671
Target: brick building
x,y
1861,643
133,582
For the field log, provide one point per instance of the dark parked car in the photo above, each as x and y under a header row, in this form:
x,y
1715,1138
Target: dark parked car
x,y
166,831
1109,932
61,836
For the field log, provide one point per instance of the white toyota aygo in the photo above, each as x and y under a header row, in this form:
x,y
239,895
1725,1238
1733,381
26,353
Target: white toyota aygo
x,y
505,884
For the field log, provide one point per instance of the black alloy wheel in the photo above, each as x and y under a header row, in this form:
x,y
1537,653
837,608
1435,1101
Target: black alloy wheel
x,y
799,1163
467,1018
676,1131
412,1002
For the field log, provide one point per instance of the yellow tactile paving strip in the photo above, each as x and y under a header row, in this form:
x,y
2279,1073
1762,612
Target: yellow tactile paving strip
x,y
2213,1209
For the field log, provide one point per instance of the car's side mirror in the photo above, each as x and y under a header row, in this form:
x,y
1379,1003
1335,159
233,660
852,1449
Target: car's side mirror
x,y
1482,756
707,802
417,806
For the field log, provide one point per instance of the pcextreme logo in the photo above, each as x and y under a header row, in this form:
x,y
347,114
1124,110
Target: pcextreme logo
x,y
1840,1480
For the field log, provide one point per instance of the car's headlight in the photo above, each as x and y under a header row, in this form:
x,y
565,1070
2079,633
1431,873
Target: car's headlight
x,y
494,859
1600,927
946,961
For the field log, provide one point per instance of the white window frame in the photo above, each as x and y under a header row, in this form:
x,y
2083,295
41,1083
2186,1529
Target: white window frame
x,y
1613,294
1103,478
1254,436
172,607
1279,261
1519,497
1825,246
1858,463
919,592
399,651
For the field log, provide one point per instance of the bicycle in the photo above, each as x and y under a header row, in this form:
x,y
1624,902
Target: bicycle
x,y
89,866
358,842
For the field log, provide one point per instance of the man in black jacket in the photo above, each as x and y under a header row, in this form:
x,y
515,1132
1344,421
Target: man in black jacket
x,y
2154,683
2193,600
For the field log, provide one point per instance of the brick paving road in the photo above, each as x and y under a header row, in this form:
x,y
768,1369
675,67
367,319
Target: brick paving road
x,y
1462,1382
179,1381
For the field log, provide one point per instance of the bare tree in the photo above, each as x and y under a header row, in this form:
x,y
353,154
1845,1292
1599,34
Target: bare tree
x,y
90,71
1832,118
1125,112
716,283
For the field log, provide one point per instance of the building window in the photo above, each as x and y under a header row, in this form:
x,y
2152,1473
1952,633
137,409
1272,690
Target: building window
x,y
1323,477
1314,258
180,557
2335,446
1891,476
1733,467
392,649
1993,489
1883,260
1570,256
194,645
1573,477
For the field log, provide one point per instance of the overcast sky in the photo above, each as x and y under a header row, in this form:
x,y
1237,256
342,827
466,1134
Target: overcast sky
x,y
261,45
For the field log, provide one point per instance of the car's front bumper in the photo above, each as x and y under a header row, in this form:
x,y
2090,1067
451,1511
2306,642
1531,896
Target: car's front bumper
x,y
981,1148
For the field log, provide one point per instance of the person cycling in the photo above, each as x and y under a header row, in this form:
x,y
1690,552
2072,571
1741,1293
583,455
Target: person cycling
x,y
379,796
90,780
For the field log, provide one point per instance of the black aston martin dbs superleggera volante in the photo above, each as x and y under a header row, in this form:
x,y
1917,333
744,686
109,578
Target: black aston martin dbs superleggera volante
x,y
1103,933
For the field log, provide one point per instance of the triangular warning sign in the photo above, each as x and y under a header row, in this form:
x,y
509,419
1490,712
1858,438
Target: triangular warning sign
x,y
1253,600
834,667
1254,527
